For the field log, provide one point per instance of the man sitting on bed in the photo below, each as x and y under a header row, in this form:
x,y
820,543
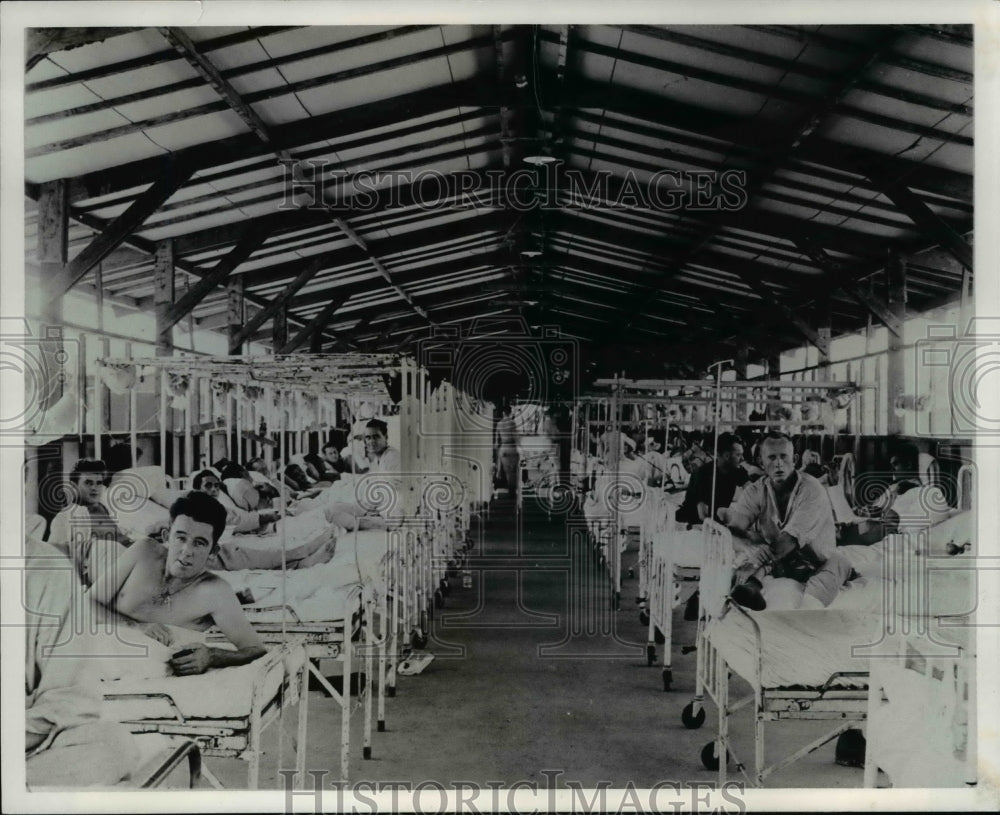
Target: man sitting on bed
x,y
76,529
158,585
785,520
383,460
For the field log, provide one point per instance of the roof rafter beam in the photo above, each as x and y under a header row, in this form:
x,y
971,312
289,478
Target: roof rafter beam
x,y
317,325
115,233
924,217
253,238
311,269
184,46
835,271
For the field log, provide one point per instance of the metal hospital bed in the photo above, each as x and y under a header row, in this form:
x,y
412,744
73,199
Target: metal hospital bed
x,y
816,664
256,694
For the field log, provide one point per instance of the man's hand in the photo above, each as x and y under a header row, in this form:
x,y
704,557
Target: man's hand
x,y
722,513
158,632
192,659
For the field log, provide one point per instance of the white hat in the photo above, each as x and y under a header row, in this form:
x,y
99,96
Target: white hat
x,y
627,441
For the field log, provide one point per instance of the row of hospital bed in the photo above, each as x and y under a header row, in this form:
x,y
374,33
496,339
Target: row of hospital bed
x,y
364,611
893,654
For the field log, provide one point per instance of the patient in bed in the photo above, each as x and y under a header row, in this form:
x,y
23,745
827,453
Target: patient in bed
x,y
385,460
905,505
787,529
230,556
156,585
85,530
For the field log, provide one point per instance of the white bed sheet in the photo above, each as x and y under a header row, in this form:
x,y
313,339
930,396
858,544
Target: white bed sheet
x,y
319,593
217,693
801,648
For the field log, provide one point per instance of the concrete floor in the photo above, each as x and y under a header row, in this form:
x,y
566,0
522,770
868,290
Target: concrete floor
x,y
537,677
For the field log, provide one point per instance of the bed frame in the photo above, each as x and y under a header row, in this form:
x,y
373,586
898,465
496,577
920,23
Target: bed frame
x,y
230,737
848,707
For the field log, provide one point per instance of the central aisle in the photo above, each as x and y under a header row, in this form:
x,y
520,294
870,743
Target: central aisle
x,y
536,677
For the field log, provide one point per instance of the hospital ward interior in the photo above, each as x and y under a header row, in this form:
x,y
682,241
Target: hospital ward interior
x,y
499,403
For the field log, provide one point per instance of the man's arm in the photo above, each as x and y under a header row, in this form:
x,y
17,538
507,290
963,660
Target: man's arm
x,y
232,622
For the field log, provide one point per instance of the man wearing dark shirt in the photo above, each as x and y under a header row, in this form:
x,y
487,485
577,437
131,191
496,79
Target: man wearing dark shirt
x,y
698,498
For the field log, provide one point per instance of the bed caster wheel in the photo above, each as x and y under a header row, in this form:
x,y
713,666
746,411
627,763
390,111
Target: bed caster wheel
x,y
380,726
668,679
658,636
419,641
367,752
709,759
690,719
445,588
391,691
643,617
438,598
650,655
631,574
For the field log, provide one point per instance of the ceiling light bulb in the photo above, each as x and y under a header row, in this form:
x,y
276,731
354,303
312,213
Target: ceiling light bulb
x,y
539,160
531,253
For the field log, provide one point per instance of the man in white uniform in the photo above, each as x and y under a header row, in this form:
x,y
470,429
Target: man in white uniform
x,y
384,460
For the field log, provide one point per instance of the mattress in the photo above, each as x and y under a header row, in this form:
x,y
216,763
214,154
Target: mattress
x,y
216,694
800,648
686,548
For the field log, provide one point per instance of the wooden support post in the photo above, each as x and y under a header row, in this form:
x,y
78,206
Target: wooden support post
x,y
896,364
825,331
53,246
163,295
163,299
742,356
234,313
279,329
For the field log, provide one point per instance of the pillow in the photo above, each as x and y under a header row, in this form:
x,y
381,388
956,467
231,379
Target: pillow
x,y
152,477
166,497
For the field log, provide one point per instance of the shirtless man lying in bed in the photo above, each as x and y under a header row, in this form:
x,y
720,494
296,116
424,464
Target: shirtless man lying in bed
x,y
161,585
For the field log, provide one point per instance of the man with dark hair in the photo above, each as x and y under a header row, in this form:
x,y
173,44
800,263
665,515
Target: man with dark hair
x,y
785,519
74,530
385,460
728,476
157,585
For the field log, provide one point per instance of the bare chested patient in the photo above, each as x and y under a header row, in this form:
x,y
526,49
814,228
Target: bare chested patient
x,y
157,585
